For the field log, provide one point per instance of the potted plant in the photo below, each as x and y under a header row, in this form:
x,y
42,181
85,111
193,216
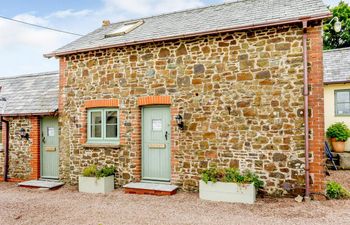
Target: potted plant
x,y
95,180
229,185
338,133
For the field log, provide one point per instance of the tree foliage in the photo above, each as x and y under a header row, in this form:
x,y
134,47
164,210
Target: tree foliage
x,y
333,39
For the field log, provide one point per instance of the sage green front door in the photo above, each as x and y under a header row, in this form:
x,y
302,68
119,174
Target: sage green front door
x,y
49,147
156,143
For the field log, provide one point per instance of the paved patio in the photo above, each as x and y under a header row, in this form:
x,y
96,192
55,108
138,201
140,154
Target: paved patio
x,y
67,206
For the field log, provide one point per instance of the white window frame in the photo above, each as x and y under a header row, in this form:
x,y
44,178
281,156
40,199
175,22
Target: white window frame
x,y
103,139
122,31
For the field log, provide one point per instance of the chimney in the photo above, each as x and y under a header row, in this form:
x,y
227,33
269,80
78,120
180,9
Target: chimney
x,y
106,23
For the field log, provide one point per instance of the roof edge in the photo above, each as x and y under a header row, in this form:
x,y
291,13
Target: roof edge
x,y
237,28
337,49
337,82
31,114
49,73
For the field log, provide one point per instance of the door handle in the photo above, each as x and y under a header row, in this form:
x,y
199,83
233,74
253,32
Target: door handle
x,y
166,135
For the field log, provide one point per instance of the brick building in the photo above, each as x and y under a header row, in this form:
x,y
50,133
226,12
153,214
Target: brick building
x,y
164,97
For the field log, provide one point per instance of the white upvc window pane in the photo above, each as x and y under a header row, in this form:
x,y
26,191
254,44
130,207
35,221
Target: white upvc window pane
x,y
111,124
96,124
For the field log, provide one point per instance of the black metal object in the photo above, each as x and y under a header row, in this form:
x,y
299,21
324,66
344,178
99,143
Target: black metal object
x,y
329,154
179,122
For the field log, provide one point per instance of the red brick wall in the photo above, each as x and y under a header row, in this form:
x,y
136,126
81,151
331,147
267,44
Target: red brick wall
x,y
35,147
316,102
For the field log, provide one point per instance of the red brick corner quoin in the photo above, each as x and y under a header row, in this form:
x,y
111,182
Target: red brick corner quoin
x,y
316,102
35,147
154,100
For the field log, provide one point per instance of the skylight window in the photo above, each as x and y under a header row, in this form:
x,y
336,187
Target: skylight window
x,y
125,28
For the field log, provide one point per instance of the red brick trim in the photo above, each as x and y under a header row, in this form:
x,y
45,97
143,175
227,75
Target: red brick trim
x,y
101,103
154,100
12,179
35,147
62,83
316,103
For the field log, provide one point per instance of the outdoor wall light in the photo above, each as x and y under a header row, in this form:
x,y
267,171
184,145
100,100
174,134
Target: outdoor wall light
x,y
337,24
24,134
179,122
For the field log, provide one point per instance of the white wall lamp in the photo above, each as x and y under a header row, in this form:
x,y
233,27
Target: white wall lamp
x,y
337,24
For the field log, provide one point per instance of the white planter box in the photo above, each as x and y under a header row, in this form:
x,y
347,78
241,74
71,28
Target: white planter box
x,y
227,192
94,185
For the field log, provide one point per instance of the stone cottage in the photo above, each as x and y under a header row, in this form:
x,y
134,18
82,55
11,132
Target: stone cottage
x,y
164,97
28,109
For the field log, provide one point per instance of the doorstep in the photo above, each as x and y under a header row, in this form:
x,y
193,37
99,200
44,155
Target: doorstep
x,y
49,184
143,188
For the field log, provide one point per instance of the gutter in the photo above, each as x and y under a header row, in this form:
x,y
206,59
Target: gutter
x,y
6,158
238,28
32,114
306,112
337,82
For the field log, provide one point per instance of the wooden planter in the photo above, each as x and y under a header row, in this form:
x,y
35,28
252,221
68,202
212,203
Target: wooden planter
x,y
93,185
227,192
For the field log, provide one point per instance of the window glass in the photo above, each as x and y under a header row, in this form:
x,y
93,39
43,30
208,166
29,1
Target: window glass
x,y
96,125
342,102
343,96
111,124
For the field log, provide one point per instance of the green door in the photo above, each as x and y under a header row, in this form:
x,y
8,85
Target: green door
x,y
49,147
156,143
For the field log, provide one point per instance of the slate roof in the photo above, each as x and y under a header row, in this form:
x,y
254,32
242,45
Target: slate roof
x,y
236,15
29,94
336,65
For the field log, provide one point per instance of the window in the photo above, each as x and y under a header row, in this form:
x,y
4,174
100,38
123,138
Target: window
x,y
103,126
125,28
342,102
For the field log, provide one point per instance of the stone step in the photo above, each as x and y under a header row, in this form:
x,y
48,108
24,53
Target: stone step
x,y
143,188
49,184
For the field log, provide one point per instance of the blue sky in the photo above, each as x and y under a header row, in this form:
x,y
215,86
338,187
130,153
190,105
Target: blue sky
x,y
22,47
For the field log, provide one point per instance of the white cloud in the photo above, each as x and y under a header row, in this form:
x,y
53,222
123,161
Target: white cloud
x,y
70,13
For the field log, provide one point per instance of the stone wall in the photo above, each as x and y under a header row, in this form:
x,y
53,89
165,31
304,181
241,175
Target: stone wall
x,y
24,155
239,94
19,149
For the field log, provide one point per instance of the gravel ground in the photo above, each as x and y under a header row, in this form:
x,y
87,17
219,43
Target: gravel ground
x,y
67,206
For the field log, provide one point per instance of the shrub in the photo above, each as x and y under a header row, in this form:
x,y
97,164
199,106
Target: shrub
x,y
336,191
230,175
339,131
92,171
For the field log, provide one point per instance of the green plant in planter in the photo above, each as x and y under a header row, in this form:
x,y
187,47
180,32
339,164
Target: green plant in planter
x,y
339,131
335,190
230,175
92,171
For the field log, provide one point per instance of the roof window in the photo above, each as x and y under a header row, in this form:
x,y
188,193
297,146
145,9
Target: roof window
x,y
125,28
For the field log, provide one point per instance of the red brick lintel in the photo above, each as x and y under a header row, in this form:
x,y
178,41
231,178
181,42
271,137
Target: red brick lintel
x,y
102,103
154,100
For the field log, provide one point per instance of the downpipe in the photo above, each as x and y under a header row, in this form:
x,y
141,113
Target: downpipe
x,y
6,150
306,112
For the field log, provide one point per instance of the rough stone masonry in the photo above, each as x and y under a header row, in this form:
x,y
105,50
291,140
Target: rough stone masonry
x,y
239,94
